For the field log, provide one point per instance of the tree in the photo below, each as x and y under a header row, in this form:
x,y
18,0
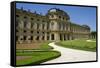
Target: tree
x,y
93,34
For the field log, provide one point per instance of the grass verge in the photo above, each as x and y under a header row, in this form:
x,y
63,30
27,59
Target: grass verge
x,y
78,44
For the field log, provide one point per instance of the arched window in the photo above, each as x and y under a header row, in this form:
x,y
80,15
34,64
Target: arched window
x,y
47,37
52,25
42,37
31,38
37,38
52,36
24,37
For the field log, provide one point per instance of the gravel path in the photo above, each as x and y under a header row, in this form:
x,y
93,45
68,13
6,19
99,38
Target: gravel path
x,y
71,55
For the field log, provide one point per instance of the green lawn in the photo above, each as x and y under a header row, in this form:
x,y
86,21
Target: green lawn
x,y
42,46
45,46
37,57
78,44
93,39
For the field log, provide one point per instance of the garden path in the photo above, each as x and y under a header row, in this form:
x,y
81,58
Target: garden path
x,y
71,55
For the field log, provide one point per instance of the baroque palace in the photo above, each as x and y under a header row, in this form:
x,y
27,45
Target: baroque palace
x,y
53,26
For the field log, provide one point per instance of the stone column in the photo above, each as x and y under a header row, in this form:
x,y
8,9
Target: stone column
x,y
66,36
62,37
70,37
40,27
40,37
28,26
20,24
45,36
50,37
34,38
35,26
20,39
45,25
56,36
28,39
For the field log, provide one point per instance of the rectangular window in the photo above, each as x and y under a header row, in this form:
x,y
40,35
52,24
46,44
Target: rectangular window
x,y
52,37
24,37
31,38
47,37
37,25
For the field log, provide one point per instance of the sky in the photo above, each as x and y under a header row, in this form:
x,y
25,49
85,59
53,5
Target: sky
x,y
79,15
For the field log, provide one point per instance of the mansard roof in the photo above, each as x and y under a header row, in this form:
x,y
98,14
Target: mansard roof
x,y
86,26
